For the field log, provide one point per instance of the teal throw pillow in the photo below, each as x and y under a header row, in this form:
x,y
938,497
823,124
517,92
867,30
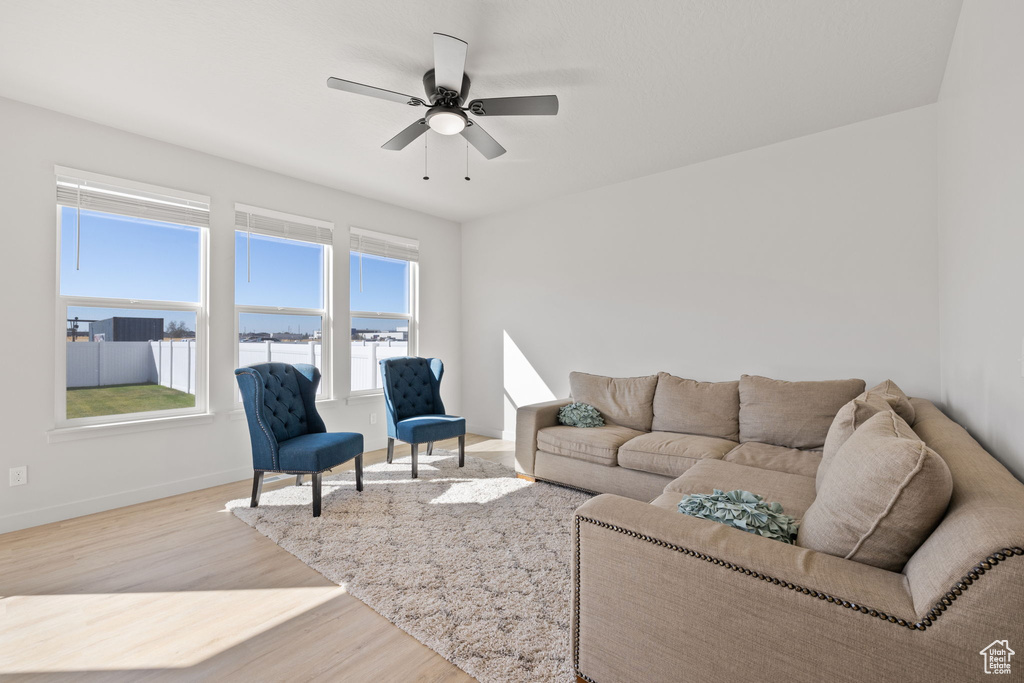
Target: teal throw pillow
x,y
743,510
580,415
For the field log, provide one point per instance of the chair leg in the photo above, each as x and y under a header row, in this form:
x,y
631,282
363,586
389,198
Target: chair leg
x,y
359,472
316,494
462,450
415,456
430,448
298,480
391,450
257,488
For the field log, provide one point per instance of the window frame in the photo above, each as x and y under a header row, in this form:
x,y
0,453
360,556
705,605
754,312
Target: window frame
x,y
325,315
412,316
199,308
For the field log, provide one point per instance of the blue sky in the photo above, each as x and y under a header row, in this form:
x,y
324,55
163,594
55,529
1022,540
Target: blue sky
x,y
385,284
133,258
129,258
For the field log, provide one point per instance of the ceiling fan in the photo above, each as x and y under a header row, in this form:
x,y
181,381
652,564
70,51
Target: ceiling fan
x,y
447,87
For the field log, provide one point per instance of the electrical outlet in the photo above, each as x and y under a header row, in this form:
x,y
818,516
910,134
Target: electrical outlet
x,y
19,475
373,418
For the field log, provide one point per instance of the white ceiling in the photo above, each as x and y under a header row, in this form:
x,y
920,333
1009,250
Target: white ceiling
x,y
644,86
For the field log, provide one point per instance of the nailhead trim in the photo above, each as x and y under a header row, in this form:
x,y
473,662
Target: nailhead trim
x,y
576,603
933,614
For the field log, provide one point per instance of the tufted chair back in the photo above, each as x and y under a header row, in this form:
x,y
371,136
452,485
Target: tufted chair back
x,y
280,404
412,387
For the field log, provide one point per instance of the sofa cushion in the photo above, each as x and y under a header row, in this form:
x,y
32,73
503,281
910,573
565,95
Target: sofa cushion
x,y
625,401
691,407
885,396
794,492
848,419
897,400
595,444
776,458
792,414
882,495
670,454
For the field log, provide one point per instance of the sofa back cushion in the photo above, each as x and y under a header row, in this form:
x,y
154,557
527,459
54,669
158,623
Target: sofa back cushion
x,y
885,396
703,408
897,400
848,419
792,414
880,499
624,401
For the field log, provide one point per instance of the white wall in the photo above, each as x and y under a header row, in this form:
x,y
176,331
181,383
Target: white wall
x,y
981,227
71,478
813,258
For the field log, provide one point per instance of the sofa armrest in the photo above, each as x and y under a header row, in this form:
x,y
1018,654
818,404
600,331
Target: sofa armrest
x,y
530,420
656,592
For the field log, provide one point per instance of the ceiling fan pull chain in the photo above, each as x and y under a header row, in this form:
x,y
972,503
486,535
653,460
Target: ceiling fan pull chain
x,y
425,176
467,159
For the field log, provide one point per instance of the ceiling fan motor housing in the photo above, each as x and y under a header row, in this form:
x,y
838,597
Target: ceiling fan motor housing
x,y
430,86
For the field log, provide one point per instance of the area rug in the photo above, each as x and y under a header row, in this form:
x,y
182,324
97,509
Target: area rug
x,y
472,562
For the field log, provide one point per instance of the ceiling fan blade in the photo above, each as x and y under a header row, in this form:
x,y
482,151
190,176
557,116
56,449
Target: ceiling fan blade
x,y
483,142
535,105
449,61
402,140
360,89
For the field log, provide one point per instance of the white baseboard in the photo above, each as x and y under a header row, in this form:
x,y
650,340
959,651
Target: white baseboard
x,y
374,443
88,506
488,431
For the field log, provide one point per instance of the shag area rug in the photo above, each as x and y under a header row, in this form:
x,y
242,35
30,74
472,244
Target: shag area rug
x,y
472,562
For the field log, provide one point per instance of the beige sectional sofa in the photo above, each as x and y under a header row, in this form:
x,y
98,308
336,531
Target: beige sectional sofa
x,y
660,426
661,596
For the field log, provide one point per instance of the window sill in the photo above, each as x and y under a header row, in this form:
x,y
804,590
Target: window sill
x,y
356,399
134,426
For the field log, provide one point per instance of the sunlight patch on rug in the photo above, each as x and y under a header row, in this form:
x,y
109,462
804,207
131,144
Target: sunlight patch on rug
x,y
472,562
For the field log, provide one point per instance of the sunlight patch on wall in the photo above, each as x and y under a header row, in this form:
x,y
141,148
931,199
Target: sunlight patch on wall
x,y
523,384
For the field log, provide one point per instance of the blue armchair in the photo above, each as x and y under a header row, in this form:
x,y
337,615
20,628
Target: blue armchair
x,y
286,431
412,397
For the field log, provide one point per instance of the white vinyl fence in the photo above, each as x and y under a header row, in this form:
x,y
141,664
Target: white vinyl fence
x,y
172,364
250,353
98,364
365,371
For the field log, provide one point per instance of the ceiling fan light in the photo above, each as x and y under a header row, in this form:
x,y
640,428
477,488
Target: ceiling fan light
x,y
446,122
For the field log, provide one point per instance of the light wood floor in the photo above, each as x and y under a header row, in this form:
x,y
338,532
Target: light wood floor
x,y
179,589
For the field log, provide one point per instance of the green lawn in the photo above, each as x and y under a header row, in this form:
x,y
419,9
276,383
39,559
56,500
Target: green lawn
x,y
125,398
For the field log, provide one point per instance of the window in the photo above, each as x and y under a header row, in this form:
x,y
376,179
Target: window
x,y
282,292
131,303
382,271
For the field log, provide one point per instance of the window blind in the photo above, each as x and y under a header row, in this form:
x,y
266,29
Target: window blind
x,y
93,195
380,244
276,224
